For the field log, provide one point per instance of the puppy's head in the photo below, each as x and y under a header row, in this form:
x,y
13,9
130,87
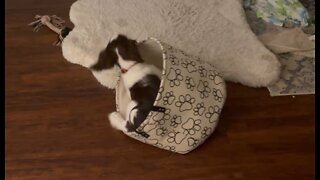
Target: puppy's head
x,y
127,49
107,58
120,46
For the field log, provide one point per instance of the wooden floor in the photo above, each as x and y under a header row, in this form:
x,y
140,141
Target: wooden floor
x,y
57,128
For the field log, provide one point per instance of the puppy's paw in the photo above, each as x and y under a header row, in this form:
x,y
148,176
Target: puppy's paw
x,y
115,116
117,121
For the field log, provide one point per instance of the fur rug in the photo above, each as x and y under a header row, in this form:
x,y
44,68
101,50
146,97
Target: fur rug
x,y
214,30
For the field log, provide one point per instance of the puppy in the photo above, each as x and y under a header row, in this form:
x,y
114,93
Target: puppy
x,y
141,80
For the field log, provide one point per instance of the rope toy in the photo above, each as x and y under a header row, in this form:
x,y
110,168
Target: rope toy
x,y
53,22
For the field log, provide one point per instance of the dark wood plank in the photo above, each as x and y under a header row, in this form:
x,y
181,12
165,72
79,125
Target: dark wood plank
x,y
56,121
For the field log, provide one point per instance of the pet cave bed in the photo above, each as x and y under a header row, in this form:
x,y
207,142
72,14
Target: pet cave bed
x,y
188,104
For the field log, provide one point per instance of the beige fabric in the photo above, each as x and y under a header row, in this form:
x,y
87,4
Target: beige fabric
x,y
192,93
214,30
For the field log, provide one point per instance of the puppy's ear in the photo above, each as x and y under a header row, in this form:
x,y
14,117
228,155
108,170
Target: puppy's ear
x,y
107,58
122,38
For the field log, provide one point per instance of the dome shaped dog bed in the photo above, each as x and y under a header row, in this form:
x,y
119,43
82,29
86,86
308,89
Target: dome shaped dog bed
x,y
188,104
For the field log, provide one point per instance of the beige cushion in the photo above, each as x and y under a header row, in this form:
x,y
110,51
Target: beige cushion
x,y
214,30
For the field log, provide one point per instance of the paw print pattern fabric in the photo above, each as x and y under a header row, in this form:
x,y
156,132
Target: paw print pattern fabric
x,y
188,105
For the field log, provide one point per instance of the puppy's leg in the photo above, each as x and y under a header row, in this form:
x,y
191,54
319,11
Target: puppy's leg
x,y
117,121
131,112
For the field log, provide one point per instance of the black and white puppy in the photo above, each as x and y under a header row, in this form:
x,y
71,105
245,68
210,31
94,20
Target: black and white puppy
x,y
141,80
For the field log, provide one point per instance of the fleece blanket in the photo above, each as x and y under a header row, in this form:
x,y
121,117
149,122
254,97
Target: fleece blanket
x,y
214,30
